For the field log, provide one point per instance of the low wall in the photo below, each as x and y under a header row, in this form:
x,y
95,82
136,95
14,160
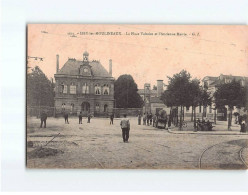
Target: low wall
x,y
119,112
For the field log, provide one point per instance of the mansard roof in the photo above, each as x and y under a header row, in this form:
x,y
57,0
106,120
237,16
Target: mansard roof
x,y
72,65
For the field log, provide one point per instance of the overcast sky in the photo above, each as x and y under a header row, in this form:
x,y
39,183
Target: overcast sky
x,y
201,50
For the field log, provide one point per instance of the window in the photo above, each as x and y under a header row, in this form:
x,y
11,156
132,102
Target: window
x,y
63,88
63,106
85,89
97,89
97,107
200,109
72,88
105,90
187,109
210,109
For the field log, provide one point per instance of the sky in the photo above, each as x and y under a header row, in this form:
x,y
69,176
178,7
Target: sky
x,y
147,52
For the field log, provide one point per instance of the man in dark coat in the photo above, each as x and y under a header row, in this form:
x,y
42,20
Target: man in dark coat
x,y
43,119
80,116
66,116
112,119
89,117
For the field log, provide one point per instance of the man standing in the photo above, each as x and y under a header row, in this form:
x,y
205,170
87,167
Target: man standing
x,y
43,119
66,116
125,126
80,116
111,119
144,119
89,117
139,119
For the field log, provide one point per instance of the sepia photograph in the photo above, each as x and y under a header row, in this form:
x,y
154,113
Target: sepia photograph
x,y
125,96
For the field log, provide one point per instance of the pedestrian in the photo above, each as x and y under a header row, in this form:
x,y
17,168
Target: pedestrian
x,y
43,119
144,119
147,119
89,117
169,121
80,116
66,116
150,118
154,119
125,126
112,119
139,119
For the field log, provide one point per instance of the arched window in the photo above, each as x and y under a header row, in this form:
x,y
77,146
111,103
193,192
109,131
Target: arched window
x,y
72,88
85,88
105,108
97,107
97,89
105,89
63,88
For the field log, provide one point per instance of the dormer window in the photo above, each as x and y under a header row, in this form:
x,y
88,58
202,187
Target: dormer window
x,y
97,89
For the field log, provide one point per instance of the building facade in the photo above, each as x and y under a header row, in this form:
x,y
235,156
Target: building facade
x,y
84,86
210,112
151,97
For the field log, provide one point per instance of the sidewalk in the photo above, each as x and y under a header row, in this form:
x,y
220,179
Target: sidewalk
x,y
219,129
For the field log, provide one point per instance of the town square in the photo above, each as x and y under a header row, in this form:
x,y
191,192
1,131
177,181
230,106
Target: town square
x,y
94,114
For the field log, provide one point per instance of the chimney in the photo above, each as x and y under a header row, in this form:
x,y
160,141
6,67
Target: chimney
x,y
110,67
57,67
159,88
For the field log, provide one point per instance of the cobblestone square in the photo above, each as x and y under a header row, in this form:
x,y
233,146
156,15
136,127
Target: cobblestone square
x,y
99,145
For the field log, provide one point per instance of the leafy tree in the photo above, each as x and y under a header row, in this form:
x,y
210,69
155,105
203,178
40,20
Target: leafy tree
x,y
154,87
126,93
230,94
178,93
40,91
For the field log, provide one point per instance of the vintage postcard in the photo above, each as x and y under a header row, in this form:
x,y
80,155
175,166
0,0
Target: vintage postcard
x,y
125,96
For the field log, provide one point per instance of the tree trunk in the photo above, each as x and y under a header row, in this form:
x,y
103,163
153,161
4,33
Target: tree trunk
x,y
177,117
215,116
230,119
181,115
192,115
194,118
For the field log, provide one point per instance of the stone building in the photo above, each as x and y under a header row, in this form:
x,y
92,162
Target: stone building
x,y
84,86
151,98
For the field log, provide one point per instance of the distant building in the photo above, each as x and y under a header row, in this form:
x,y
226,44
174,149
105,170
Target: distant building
x,y
84,86
211,83
151,98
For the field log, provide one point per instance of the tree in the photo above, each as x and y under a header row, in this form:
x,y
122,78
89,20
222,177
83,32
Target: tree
x,y
194,97
230,94
205,100
154,87
40,91
126,93
178,93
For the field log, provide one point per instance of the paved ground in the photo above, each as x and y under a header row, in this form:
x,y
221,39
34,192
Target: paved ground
x,y
99,145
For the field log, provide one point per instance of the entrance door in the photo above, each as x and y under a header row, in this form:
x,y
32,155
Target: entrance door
x,y
85,107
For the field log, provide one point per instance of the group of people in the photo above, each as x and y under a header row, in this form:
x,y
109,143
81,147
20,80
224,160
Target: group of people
x,y
152,119
43,118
